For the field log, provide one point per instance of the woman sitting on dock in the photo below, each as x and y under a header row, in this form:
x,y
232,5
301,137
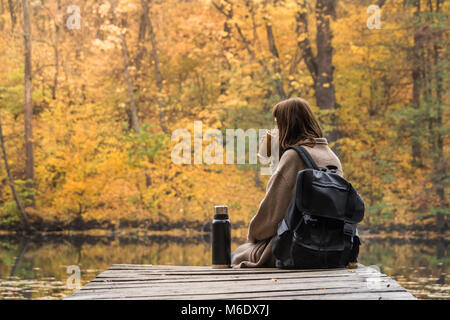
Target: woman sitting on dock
x,y
297,125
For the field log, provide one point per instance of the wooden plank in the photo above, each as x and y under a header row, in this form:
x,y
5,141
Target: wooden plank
x,y
109,277
229,278
329,293
155,276
294,296
221,287
203,282
127,273
143,277
393,295
236,280
209,270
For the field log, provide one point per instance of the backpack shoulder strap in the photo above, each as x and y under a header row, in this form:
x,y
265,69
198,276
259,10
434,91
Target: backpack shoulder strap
x,y
306,157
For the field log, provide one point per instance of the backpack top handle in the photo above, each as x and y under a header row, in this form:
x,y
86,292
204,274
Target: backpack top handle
x,y
306,157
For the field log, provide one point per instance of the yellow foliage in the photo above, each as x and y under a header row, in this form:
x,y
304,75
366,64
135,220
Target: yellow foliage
x,y
217,69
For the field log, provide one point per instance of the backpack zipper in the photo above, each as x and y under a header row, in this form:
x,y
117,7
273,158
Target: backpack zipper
x,y
331,185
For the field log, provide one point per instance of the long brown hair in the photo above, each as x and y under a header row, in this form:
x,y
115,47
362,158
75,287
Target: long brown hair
x,y
296,122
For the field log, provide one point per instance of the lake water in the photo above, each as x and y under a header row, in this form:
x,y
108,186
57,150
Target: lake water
x,y
39,268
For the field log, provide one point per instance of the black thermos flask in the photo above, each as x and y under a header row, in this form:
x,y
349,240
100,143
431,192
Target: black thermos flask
x,y
221,238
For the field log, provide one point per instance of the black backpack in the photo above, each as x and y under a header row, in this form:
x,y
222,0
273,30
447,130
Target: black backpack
x,y
319,227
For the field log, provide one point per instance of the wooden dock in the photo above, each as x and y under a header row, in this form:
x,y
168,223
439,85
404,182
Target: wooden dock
x,y
162,282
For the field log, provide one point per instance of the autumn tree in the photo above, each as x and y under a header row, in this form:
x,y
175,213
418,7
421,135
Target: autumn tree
x,y
28,106
101,100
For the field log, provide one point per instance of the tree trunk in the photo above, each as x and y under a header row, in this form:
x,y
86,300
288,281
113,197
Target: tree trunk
x,y
157,68
2,11
55,52
276,63
417,74
439,166
28,112
303,42
276,57
22,212
126,72
226,41
321,66
12,13
324,87
140,43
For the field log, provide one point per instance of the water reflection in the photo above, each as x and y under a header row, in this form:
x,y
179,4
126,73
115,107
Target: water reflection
x,y
419,266
37,268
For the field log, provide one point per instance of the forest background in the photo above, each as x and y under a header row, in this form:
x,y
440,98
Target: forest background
x,y
90,92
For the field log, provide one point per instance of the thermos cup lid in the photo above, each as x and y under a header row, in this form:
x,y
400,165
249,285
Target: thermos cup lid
x,y
221,212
